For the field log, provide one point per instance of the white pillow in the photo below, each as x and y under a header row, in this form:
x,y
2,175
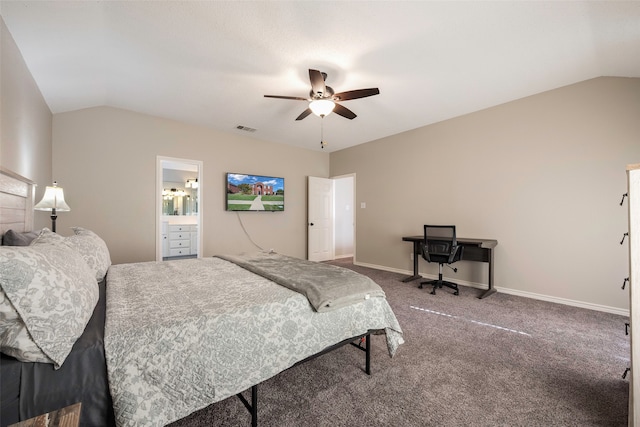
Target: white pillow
x,y
87,243
93,249
54,293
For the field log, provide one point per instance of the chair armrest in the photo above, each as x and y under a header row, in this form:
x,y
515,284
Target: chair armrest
x,y
424,252
456,253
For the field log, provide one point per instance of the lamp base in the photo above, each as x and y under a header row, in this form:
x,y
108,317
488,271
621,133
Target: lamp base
x,y
53,220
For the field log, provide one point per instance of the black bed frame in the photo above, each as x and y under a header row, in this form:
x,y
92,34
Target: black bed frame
x,y
366,338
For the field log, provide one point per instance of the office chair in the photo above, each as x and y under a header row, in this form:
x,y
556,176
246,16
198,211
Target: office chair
x,y
440,245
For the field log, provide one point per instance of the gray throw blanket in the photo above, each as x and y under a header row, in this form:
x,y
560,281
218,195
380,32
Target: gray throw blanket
x,y
326,286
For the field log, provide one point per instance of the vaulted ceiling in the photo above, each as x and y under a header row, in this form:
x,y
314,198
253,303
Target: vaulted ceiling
x,y
210,63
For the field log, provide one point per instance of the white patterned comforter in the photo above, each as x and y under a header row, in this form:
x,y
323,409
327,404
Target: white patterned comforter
x,y
180,335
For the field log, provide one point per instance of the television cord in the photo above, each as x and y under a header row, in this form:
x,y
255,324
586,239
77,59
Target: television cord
x,y
246,233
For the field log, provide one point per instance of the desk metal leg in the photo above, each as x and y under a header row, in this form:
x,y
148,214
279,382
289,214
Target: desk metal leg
x,y
491,289
416,250
488,292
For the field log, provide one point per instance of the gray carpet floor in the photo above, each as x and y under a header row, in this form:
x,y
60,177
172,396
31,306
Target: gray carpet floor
x,y
501,361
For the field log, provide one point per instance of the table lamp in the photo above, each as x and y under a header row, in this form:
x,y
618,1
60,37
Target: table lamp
x,y
53,200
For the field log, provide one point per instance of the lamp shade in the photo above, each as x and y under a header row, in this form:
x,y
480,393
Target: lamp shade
x,y
53,199
322,107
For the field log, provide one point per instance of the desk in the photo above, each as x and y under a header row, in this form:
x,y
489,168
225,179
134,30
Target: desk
x,y
480,250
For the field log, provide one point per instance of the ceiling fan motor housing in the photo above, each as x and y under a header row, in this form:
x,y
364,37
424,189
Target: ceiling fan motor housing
x,y
328,93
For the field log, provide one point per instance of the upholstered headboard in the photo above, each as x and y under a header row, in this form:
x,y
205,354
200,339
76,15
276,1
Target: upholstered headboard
x,y
16,202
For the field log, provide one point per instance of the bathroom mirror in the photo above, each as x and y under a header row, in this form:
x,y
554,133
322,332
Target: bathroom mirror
x,y
179,192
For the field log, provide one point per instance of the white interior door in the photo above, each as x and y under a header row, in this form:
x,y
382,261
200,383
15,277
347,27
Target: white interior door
x,y
320,219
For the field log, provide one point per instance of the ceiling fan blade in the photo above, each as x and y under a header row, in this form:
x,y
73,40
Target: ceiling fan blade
x,y
304,114
344,112
355,94
297,98
317,82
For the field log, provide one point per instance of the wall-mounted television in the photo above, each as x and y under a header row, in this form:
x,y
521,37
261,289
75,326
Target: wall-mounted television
x,y
254,193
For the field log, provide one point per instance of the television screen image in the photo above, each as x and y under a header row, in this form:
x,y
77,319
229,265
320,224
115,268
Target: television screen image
x,y
254,193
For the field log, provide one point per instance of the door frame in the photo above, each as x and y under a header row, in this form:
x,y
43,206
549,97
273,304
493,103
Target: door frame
x,y
353,211
160,160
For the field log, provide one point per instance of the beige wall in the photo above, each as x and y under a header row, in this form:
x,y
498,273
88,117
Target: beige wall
x,y
106,158
25,122
543,175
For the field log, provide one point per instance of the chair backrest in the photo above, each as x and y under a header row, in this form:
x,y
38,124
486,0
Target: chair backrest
x,y
440,244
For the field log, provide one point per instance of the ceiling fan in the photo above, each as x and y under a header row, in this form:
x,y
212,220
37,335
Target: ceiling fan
x,y
323,100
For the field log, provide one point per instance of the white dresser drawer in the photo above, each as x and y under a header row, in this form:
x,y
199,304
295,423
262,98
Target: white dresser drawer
x,y
174,228
179,235
184,243
179,251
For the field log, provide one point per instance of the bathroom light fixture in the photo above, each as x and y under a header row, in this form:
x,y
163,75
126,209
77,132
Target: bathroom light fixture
x,y
173,192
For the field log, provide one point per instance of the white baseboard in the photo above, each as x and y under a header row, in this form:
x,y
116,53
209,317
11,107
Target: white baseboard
x,y
517,292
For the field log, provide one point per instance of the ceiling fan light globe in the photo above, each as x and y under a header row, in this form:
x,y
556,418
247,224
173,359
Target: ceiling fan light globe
x,y
322,107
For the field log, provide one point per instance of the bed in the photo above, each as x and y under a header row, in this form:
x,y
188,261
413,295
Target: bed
x,y
160,340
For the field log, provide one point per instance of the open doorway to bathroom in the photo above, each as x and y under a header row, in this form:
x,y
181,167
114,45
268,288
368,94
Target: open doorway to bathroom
x,y
179,208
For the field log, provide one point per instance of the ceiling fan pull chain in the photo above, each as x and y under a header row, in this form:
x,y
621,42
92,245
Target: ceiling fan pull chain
x,y
322,144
